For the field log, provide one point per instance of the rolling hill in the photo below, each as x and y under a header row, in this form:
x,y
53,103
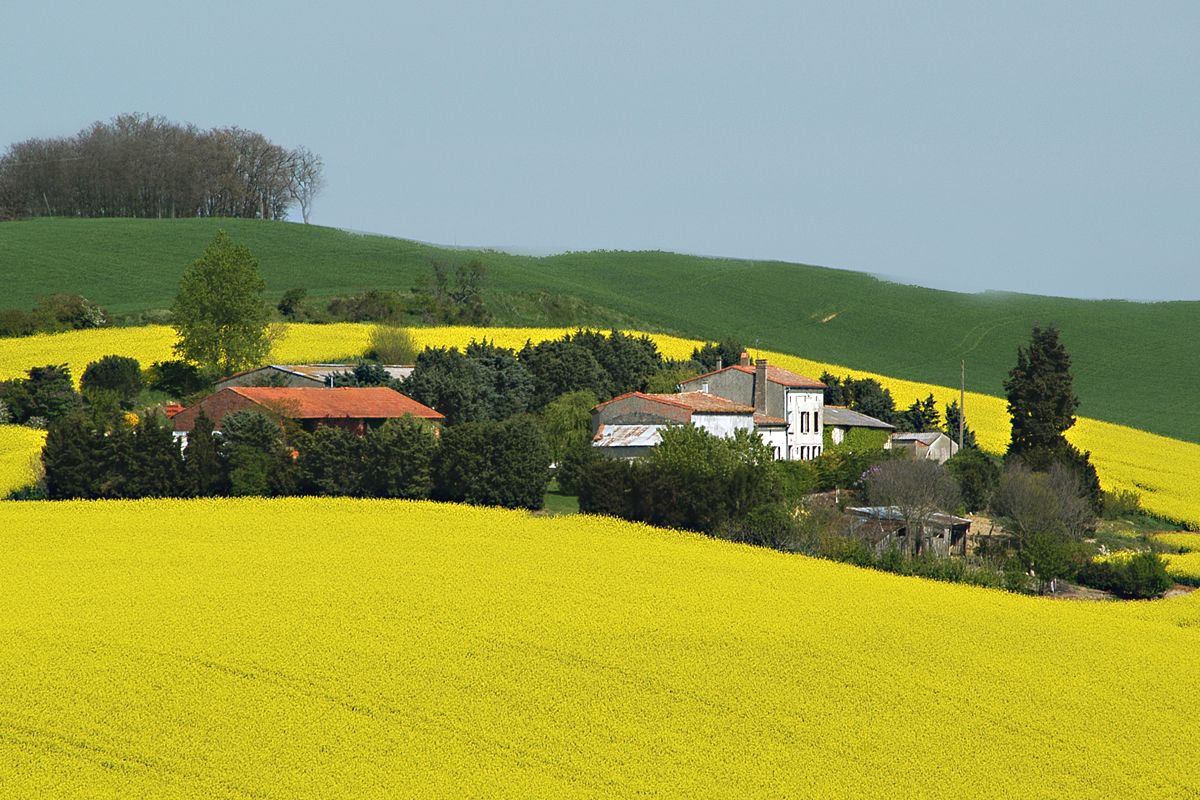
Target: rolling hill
x,y
346,648
1134,362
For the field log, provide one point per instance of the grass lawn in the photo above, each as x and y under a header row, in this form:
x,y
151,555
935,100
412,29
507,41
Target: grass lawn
x,y
559,504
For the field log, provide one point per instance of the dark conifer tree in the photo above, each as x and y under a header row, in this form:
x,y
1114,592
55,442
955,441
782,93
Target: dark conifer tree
x,y
158,463
1042,404
69,459
204,469
952,415
118,462
1041,398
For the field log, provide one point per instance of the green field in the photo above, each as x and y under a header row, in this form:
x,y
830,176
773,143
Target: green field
x,y
1134,362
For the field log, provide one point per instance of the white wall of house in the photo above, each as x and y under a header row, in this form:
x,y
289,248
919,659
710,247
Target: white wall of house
x,y
723,425
805,410
777,440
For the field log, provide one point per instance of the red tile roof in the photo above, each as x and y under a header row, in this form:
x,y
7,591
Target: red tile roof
x,y
769,422
375,402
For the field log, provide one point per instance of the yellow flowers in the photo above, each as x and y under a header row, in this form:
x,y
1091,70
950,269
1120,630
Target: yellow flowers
x,y
1164,471
338,648
1185,566
20,452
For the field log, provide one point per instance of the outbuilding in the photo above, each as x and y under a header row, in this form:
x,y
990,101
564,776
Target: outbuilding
x,y
355,409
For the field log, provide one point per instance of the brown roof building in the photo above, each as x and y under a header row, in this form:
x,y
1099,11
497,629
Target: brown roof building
x,y
352,408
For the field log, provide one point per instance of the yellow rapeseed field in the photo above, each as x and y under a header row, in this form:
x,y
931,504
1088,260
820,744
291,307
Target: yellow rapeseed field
x,y
337,648
1164,471
20,448
1185,565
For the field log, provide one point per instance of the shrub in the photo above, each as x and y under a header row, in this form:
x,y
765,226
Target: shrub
x,y
572,468
1121,504
1139,576
375,305
977,475
604,486
398,459
770,525
330,461
177,378
14,322
290,305
493,463
72,311
392,345
119,374
47,393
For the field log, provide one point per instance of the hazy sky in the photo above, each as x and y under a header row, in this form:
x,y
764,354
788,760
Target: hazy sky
x,y
1042,147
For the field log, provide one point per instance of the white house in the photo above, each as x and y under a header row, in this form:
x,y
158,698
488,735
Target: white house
x,y
788,408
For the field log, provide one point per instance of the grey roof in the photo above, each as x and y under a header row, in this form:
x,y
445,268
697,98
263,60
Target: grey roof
x,y
929,437
892,513
628,436
837,415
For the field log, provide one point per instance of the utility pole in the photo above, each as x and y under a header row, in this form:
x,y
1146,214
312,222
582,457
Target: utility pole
x,y
962,401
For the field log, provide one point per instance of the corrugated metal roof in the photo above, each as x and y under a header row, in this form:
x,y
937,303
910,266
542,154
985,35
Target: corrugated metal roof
x,y
324,371
838,415
928,438
893,514
628,436
373,402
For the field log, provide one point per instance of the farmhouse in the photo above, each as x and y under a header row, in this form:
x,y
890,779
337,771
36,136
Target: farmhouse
x,y
302,375
839,421
353,408
884,527
788,408
931,446
629,425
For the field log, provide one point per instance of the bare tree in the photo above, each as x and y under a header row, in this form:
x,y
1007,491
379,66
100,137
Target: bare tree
x,y
1048,514
917,490
307,178
1037,502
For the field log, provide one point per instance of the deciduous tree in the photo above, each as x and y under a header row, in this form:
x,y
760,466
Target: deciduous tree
x,y
219,311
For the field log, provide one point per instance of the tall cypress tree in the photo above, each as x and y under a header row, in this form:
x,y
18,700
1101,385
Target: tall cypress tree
x,y
1042,404
1041,399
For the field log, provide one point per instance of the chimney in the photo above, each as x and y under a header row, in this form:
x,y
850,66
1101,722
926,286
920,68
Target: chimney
x,y
760,386
744,361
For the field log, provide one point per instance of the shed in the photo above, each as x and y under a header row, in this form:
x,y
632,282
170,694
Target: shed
x,y
884,527
931,445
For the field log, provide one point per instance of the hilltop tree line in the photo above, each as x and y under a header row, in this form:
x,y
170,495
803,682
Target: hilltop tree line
x,y
138,165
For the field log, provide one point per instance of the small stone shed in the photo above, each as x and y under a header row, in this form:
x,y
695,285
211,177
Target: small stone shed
x,y
884,527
